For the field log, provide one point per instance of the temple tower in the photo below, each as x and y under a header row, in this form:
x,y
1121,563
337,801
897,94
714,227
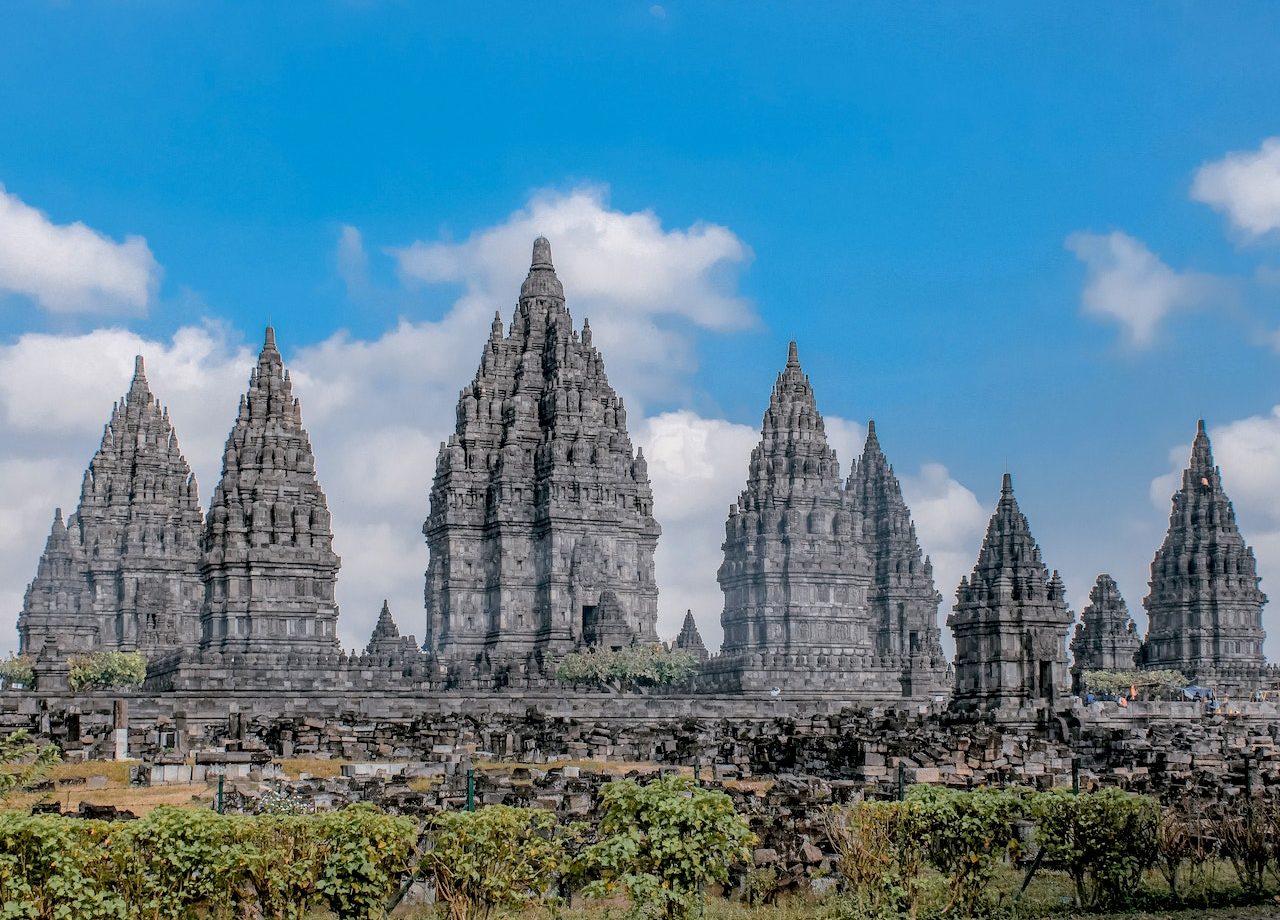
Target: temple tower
x,y
134,541
903,602
1204,606
269,568
1010,621
1106,637
795,576
689,639
58,606
386,639
541,532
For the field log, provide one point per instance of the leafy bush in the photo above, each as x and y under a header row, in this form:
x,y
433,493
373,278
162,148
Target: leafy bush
x,y
1104,840
637,666
107,670
177,863
496,858
18,671
23,762
662,842
879,856
964,835
1119,683
1247,832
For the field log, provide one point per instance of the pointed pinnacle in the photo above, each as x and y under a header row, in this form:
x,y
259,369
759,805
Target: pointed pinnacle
x,y
793,355
270,343
138,369
542,254
1006,486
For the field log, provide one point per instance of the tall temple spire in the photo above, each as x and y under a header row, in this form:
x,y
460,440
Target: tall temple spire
x,y
136,534
1106,637
1010,594
689,639
1204,608
541,526
269,561
903,602
386,638
796,574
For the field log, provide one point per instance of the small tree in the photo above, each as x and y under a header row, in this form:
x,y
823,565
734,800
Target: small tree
x,y
662,842
18,671
23,762
637,666
498,858
107,670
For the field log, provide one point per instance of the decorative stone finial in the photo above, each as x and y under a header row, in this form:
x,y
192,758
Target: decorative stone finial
x,y
793,355
138,369
270,342
542,254
1006,485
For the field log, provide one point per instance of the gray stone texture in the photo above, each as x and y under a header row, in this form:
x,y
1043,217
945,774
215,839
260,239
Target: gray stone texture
x,y
690,640
824,586
1010,622
123,574
1205,607
269,568
541,532
386,638
1106,637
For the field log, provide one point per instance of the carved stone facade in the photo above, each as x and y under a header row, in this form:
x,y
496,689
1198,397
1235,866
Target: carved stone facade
x,y
1205,607
123,573
1010,621
690,640
1106,637
824,586
386,638
269,568
541,532
903,602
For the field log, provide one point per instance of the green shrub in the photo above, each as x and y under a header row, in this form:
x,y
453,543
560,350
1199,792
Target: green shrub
x,y
1119,683
498,858
636,666
879,856
18,671
23,762
177,863
662,842
107,670
1104,840
965,835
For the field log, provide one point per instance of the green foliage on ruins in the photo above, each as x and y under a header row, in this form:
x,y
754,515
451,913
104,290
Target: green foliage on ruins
x,y
107,671
498,858
1105,841
1146,682
661,843
23,762
175,863
637,666
18,671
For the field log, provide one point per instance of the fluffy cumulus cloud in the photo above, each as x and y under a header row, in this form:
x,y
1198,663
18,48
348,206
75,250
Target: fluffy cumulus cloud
x,y
72,268
1245,186
1248,452
950,523
643,286
1128,284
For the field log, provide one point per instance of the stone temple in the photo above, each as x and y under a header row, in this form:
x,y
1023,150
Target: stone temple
x,y
1010,621
1205,607
1106,637
541,532
540,541
123,572
824,586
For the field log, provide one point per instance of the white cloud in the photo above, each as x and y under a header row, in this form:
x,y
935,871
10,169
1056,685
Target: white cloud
x,y
1128,284
1248,453
643,287
72,268
950,523
1245,186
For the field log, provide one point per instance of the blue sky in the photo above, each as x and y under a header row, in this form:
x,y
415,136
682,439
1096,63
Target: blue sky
x,y
900,187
